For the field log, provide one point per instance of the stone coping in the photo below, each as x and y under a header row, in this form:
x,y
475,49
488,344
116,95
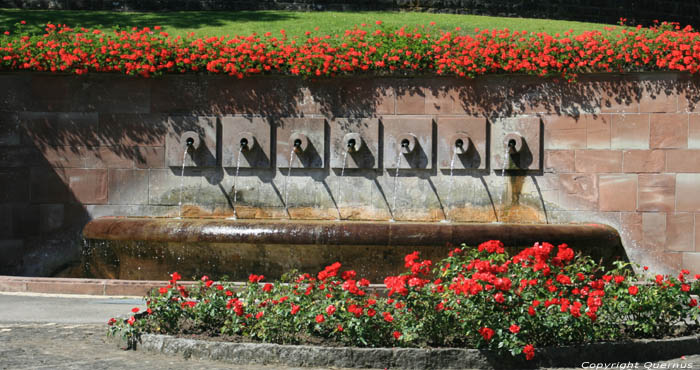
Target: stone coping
x,y
639,351
101,287
94,287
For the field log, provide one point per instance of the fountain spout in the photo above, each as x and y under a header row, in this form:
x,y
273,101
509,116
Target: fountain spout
x,y
460,143
191,139
299,142
353,142
246,141
514,143
407,143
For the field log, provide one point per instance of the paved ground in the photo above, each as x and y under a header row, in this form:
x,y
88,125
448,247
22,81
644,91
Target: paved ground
x,y
69,332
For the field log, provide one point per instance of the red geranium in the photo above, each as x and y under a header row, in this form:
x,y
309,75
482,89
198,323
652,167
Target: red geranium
x,y
486,333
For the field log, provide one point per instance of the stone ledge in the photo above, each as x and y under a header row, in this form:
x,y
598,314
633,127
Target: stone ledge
x,y
419,358
98,287
104,287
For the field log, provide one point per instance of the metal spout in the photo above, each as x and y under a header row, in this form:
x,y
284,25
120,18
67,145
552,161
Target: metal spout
x,y
351,145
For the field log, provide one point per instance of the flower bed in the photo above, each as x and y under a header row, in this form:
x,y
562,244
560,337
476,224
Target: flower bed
x,y
363,49
475,298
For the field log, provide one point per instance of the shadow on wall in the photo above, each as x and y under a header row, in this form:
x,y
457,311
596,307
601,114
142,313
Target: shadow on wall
x,y
41,219
150,102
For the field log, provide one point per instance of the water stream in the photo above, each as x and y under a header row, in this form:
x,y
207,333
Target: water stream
x,y
449,187
286,181
396,184
182,180
235,183
504,183
342,173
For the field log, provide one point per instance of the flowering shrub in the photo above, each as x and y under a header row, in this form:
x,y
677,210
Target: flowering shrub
x,y
477,297
374,48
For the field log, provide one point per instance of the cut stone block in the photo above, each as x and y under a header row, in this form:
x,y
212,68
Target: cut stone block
x,y
309,134
472,132
416,133
254,134
363,133
203,132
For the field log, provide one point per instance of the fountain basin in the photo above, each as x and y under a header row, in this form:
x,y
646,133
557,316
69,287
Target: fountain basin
x,y
150,248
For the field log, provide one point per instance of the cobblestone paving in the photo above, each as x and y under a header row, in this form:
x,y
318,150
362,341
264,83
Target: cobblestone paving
x,y
84,346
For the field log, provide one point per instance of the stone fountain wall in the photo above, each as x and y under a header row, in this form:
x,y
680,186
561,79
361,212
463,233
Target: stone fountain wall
x,y
619,150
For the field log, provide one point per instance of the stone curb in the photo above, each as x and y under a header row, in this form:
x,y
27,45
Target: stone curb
x,y
418,358
103,287
95,287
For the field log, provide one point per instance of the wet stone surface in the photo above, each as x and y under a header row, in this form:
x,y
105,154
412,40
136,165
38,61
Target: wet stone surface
x,y
84,346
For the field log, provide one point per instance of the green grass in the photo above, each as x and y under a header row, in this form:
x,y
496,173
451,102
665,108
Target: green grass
x,y
216,23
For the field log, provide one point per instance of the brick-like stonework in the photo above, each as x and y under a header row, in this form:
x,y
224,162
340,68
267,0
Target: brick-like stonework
x,y
620,150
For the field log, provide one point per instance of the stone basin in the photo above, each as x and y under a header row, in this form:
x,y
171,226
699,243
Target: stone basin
x,y
151,248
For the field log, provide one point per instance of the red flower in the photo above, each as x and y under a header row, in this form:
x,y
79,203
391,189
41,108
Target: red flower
x,y
371,312
487,333
135,310
238,308
163,290
693,302
259,315
175,276
347,275
339,327
131,321
387,317
355,310
320,318
189,304
498,297
529,352
267,287
295,309
330,310
633,290
255,278
515,329
329,271
397,335
205,278
111,321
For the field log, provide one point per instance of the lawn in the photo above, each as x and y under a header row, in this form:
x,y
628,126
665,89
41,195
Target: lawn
x,y
295,23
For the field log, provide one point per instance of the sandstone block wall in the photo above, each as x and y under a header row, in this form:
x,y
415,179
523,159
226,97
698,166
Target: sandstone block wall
x,y
619,150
